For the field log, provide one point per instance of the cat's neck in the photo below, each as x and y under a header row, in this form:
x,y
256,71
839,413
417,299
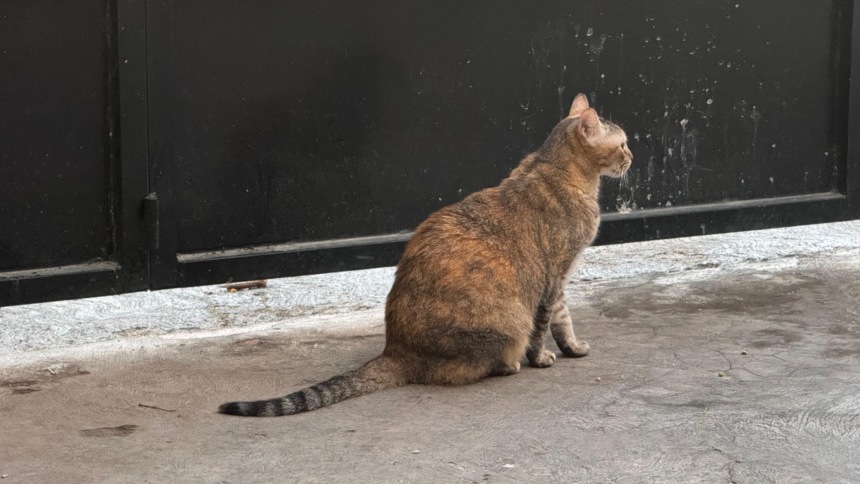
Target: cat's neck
x,y
580,175
583,175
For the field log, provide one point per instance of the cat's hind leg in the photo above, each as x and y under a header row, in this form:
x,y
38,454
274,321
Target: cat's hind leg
x,y
466,371
562,329
537,354
464,356
505,369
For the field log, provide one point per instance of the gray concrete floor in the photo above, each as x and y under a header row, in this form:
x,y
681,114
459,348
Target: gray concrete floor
x,y
730,358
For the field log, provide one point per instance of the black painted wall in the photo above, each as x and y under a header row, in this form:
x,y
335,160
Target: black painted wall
x,y
285,138
334,119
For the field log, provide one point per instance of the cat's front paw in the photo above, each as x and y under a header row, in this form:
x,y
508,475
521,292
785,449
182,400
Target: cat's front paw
x,y
577,350
543,360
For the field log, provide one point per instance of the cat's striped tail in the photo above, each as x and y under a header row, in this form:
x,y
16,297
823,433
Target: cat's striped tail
x,y
377,374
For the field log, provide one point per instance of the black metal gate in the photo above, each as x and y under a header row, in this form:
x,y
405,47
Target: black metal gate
x,y
280,138
72,149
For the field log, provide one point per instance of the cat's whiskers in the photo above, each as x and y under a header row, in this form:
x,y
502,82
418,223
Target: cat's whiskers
x,y
624,179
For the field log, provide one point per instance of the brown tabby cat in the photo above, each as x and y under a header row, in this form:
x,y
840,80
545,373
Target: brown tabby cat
x,y
482,280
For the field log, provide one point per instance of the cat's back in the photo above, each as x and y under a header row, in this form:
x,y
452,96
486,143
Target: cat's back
x,y
481,246
487,220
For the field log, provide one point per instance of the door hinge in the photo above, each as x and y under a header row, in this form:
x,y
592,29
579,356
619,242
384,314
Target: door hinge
x,y
150,220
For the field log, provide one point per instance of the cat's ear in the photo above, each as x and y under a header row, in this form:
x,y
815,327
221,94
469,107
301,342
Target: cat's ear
x,y
580,104
589,124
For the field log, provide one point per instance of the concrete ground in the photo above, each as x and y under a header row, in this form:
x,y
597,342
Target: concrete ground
x,y
729,358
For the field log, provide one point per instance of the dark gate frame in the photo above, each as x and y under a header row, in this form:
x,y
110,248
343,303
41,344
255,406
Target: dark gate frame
x,y
147,259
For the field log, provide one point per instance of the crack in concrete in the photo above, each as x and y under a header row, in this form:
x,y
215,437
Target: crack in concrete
x,y
730,465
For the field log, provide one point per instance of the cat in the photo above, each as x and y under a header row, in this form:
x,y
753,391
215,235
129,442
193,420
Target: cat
x,y
482,281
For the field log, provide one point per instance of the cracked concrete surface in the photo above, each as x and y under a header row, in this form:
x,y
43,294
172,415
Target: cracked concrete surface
x,y
718,367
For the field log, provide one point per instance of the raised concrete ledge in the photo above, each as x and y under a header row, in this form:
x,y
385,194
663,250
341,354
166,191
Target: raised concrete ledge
x,y
114,323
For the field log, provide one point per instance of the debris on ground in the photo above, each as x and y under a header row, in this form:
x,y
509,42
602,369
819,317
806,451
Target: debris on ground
x,y
240,286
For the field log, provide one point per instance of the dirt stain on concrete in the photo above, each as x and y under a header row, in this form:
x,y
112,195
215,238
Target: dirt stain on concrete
x,y
774,337
20,387
737,297
47,377
842,330
118,431
616,313
698,403
841,352
787,337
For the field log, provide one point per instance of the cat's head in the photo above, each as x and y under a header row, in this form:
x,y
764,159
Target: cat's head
x,y
603,142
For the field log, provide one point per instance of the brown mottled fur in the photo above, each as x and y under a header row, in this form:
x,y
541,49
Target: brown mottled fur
x,y
482,281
